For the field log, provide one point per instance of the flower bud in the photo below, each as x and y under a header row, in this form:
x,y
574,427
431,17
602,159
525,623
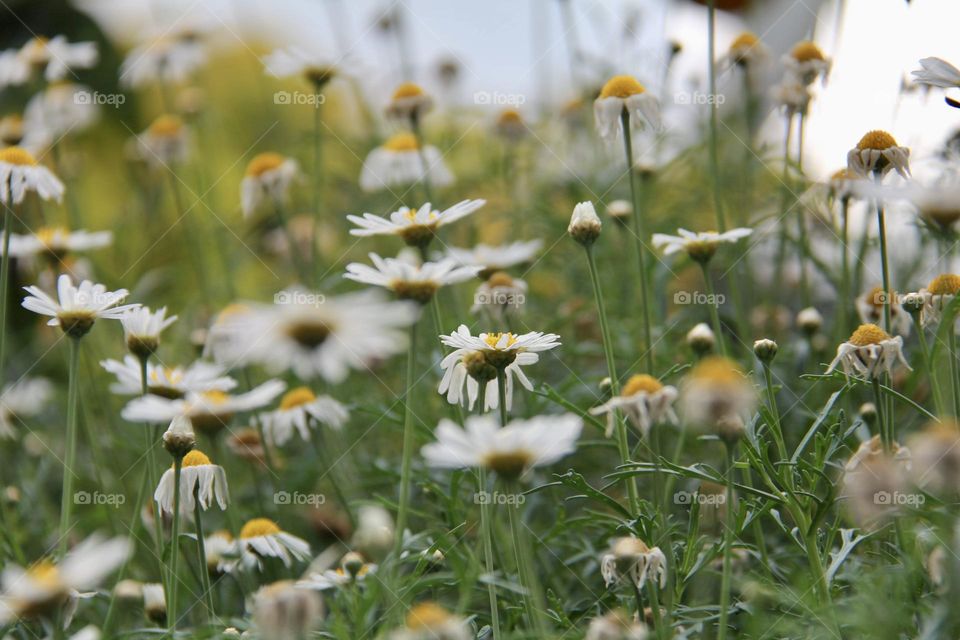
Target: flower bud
x,y
809,321
584,224
912,303
179,438
868,413
765,350
701,339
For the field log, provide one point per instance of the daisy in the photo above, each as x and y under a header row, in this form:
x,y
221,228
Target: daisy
x,y
715,393
21,399
292,61
314,335
57,242
409,281
499,293
937,72
55,57
870,308
620,211
20,173
352,569
417,227
869,475
624,95
745,51
937,296
937,205
700,246
169,58
268,179
299,409
806,62
632,560
154,603
165,381
616,625
876,154
509,451
282,611
400,161
209,411
409,102
44,589
843,184
77,307
510,125
430,621
62,108
221,551
644,400
165,142
197,476
375,531
476,360
142,328
262,538
869,351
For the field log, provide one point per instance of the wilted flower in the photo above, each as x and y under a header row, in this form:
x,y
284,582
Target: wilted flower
x,y
716,392
20,173
937,296
806,62
644,400
870,308
165,142
409,102
299,410
198,477
624,94
869,351
401,161
935,463
631,559
872,479
267,179
745,51
877,154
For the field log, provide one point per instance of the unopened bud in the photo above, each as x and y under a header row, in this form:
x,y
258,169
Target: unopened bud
x,y
809,321
765,350
179,438
701,339
584,224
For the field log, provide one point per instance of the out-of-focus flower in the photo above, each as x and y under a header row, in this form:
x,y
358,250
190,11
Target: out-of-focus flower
x,y
870,308
268,179
299,410
873,482
154,603
316,67
496,258
352,569
401,161
430,621
22,399
716,392
169,58
624,94
263,538
937,72
937,296
60,109
584,224
166,142
142,328
510,125
700,246
498,294
806,62
284,611
407,280
935,463
616,625
167,381
57,242
631,559
701,338
54,57
409,102
77,307
644,400
20,173
745,51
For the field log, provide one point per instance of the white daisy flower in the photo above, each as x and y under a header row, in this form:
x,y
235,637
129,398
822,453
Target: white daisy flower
x,y
430,621
843,184
55,57
283,611
876,154
937,296
400,162
938,205
716,393
409,102
314,66
870,309
510,450
632,560
700,246
170,58
197,475
165,142
221,551
496,258
937,72
57,242
165,381
935,457
62,108
333,578
745,51
498,294
407,280
868,352
644,400
623,94
806,62
374,533
31,136
300,409
77,307
314,335
262,538
20,173
45,589
209,411
417,227
267,180
142,328
22,399
475,360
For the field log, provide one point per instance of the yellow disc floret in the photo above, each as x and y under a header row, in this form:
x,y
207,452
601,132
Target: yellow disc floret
x,y
877,140
259,527
195,458
17,156
718,370
867,334
499,279
401,142
946,284
297,397
493,338
264,162
407,90
641,382
806,51
621,87
166,126
744,41
426,616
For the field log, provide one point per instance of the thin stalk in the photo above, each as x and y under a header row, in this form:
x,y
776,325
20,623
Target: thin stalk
x,y
954,372
408,441
302,270
485,527
729,524
202,554
150,438
4,285
622,442
882,230
533,596
844,265
776,427
928,365
424,165
317,180
638,236
881,414
175,547
713,307
502,394
712,78
73,397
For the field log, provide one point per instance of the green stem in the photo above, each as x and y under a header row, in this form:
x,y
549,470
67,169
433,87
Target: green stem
x,y
882,230
298,262
150,438
776,427
317,181
729,524
485,526
533,596
202,554
928,365
714,129
424,165
881,414
713,306
73,398
502,394
4,285
408,442
954,372
175,547
844,266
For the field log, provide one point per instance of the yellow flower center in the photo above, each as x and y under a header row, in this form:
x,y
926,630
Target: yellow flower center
x,y
259,527
877,140
493,338
215,396
407,90
621,87
746,40
499,279
509,116
876,298
629,547
17,156
297,397
166,126
868,334
46,573
196,458
426,616
264,162
401,142
46,235
946,284
806,51
717,369
844,174
640,383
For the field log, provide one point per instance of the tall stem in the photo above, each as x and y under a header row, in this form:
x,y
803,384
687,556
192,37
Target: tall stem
x,y
638,236
4,285
882,417
424,165
713,306
712,78
882,230
202,553
73,397
776,427
928,365
408,441
729,524
844,265
954,371
317,180
533,596
485,526
502,396
175,547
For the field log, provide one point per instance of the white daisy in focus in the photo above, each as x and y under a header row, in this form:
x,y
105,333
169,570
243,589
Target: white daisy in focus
x,y
700,246
475,361
937,72
165,381
630,559
869,352
430,621
400,161
508,451
283,611
300,409
315,335
47,590
496,258
197,476
22,399
644,400
417,227
77,307
55,58
806,62
870,309
57,242
169,58
165,142
267,180
877,154
20,173
142,328
407,280
262,538
624,95
62,108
